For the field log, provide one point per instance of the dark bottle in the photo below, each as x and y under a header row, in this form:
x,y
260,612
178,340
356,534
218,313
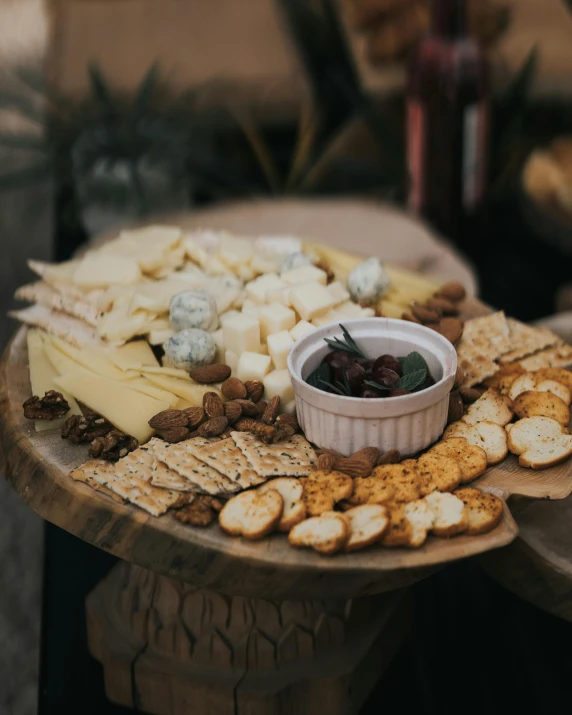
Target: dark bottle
x,y
447,121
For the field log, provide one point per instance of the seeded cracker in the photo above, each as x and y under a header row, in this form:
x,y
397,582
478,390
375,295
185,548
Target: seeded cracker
x,y
526,340
180,459
292,458
88,471
225,456
489,333
559,356
130,486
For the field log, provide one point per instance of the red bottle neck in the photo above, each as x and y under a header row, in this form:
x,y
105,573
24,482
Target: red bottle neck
x,y
449,18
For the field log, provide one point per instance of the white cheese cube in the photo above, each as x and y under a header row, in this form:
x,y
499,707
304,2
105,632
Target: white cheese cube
x,y
278,383
215,267
311,300
274,318
252,366
245,273
263,349
217,336
338,291
250,307
261,264
231,359
305,274
279,295
353,310
235,251
256,290
279,346
225,317
289,407
241,333
300,329
332,316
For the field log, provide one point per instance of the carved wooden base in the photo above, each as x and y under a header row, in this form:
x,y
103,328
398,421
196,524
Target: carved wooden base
x,y
168,648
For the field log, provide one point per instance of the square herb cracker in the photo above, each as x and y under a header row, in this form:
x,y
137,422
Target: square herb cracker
x,y
526,340
489,334
291,458
225,456
180,459
559,356
87,472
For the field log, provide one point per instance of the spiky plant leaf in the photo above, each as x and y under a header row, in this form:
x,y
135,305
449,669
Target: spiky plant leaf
x,y
101,93
145,91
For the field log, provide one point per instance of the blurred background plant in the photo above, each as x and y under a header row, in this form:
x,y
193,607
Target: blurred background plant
x,y
118,157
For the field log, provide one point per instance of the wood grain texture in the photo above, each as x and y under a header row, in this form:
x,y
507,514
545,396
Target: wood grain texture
x,y
166,645
37,466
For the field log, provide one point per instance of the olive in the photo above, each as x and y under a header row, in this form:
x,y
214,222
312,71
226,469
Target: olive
x,y
398,391
355,375
340,357
369,393
386,377
388,361
366,363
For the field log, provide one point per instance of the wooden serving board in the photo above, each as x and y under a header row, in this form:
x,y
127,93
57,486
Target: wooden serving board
x,y
38,464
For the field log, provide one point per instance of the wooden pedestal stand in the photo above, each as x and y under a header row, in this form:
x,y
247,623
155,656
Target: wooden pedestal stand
x,y
169,648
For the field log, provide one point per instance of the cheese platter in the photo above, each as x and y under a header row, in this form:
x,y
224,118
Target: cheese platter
x,y
165,359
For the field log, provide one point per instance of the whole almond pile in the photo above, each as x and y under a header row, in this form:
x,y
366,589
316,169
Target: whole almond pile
x,y
441,312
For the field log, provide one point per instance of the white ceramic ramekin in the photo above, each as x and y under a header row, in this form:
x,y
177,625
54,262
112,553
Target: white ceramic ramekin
x,y
408,423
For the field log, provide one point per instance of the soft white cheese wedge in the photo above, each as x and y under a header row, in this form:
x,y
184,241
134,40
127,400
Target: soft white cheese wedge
x,y
310,300
274,318
253,366
279,346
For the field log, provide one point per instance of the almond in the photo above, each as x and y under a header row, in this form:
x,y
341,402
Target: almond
x,y
283,433
469,394
410,318
168,419
453,291
212,405
369,454
176,434
424,313
392,456
196,416
326,462
451,328
287,420
254,390
232,411
225,434
271,411
249,409
233,389
459,378
456,408
245,424
353,467
447,307
261,405
213,427
207,374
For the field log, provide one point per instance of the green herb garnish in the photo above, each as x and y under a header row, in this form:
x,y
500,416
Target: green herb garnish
x,y
413,363
348,344
339,390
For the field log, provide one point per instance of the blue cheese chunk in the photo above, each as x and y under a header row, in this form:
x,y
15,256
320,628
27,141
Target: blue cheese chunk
x,y
189,349
193,309
368,281
295,260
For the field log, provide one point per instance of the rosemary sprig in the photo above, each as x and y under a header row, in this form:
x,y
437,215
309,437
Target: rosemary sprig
x,y
334,388
376,385
348,345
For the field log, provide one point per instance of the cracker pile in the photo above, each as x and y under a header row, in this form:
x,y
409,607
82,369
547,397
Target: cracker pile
x,y
493,341
160,476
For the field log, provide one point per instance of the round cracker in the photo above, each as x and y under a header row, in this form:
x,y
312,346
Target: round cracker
x,y
484,510
559,374
399,531
367,523
439,470
403,477
323,489
541,404
326,534
471,459
251,515
291,491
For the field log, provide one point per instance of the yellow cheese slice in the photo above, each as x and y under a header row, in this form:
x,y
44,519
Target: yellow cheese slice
x,y
187,389
94,359
166,372
60,361
42,376
147,388
128,409
132,356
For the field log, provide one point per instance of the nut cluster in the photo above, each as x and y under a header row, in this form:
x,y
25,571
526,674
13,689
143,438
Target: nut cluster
x,y
244,411
359,464
49,407
441,312
105,442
